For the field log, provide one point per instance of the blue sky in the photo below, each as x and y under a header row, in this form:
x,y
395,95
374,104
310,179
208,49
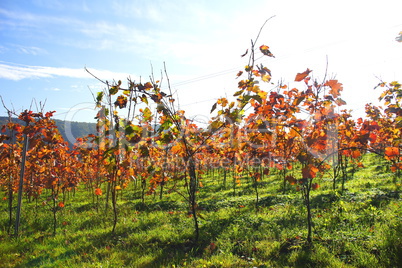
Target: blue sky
x,y
45,45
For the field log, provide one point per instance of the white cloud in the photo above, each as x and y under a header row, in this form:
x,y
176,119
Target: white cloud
x,y
17,72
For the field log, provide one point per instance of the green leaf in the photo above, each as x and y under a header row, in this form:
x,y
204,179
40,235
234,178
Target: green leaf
x,y
166,125
257,98
99,98
113,90
238,93
215,125
129,130
297,101
147,114
144,152
144,99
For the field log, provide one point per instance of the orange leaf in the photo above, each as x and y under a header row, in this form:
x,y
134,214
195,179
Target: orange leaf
x,y
222,101
148,85
335,87
98,191
360,165
340,102
373,137
121,101
356,154
315,186
239,169
393,169
396,166
176,149
391,151
301,76
265,50
309,172
291,180
61,204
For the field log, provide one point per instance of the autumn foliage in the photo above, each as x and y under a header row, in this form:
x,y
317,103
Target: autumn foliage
x,y
143,139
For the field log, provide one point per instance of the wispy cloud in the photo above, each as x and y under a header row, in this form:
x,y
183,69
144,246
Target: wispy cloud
x,y
133,36
3,49
17,72
30,50
53,89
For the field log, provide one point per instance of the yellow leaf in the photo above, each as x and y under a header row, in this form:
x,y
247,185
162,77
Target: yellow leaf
x,y
262,94
266,78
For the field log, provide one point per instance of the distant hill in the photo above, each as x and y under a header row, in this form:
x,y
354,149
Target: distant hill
x,y
68,129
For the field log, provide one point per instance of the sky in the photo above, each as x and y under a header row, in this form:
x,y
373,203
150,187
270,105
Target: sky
x,y
46,44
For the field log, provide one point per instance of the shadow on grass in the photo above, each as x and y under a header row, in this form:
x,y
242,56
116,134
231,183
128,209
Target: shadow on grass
x,y
159,251
49,260
178,251
156,206
86,207
323,201
384,198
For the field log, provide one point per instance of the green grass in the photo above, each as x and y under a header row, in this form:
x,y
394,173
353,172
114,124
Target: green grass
x,y
360,228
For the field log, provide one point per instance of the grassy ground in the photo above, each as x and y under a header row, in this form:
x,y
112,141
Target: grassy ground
x,y
360,228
